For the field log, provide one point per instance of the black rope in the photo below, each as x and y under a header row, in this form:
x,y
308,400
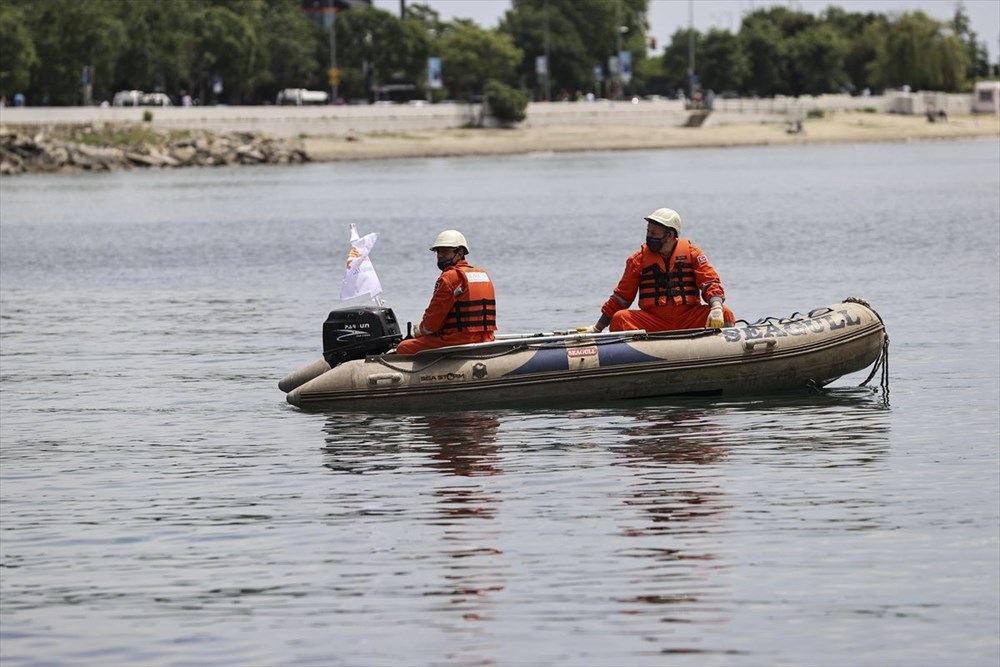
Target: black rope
x,y
883,358
794,317
882,363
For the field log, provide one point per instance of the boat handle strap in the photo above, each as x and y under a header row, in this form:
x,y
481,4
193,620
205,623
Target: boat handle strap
x,y
750,344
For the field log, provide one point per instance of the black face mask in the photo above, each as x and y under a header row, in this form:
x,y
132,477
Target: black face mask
x,y
445,263
654,244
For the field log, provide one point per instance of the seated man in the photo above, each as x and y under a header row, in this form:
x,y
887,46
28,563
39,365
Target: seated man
x,y
676,284
463,307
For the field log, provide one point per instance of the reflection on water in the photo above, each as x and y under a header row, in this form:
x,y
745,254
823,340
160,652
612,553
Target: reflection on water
x,y
466,445
461,448
648,508
664,447
691,490
460,444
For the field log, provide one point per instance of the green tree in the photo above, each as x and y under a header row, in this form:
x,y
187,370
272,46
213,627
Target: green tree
x,y
919,52
874,42
581,34
417,49
225,46
158,52
762,42
816,61
17,51
290,45
427,17
652,78
979,60
854,30
780,45
374,47
69,36
470,56
677,57
506,104
722,63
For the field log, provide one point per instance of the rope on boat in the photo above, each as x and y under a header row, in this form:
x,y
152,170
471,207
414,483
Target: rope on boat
x,y
882,363
883,358
794,317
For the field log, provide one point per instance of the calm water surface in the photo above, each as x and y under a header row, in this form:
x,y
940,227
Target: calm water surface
x,y
163,505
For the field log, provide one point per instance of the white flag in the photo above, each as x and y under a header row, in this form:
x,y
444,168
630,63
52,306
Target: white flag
x,y
360,278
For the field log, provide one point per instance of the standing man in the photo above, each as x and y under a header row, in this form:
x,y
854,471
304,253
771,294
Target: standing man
x,y
463,308
676,284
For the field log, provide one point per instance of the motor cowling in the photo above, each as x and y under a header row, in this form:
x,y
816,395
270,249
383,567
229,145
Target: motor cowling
x,y
359,332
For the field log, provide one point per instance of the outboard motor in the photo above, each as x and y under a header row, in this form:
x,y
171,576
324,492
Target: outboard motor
x,y
358,332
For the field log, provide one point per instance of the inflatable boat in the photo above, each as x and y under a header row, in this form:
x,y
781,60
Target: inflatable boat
x,y
359,370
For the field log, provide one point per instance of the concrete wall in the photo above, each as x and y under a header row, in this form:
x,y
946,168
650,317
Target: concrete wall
x,y
278,121
896,102
293,121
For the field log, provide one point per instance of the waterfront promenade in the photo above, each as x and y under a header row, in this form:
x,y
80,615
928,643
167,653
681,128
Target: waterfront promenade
x,y
447,129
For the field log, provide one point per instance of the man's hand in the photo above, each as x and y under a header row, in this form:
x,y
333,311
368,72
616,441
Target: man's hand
x,y
585,330
715,317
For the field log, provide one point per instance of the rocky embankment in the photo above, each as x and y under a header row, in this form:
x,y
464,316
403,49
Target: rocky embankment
x,y
89,149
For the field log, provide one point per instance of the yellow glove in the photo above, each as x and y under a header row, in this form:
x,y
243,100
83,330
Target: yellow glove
x,y
715,318
416,330
590,329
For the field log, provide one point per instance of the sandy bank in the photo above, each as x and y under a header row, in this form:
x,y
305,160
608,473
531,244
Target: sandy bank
x,y
835,128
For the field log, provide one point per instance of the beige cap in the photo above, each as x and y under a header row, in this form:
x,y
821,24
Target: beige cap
x,y
667,217
450,239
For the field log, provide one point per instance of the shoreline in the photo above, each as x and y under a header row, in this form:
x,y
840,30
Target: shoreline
x,y
54,149
841,127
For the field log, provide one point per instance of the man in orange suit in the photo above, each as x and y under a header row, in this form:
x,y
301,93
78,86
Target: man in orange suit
x,y
463,308
676,284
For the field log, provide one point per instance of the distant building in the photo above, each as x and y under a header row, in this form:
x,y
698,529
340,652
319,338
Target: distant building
x,y
986,97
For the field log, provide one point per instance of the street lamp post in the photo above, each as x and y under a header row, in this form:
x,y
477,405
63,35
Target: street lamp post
x,y
690,49
619,31
548,68
334,74
622,29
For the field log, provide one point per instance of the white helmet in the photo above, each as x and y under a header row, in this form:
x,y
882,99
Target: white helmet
x,y
667,217
450,239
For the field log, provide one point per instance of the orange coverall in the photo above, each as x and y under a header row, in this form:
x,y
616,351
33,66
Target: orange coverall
x,y
678,299
462,310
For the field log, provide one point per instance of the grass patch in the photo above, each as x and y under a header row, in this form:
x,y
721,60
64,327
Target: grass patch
x,y
392,135
121,136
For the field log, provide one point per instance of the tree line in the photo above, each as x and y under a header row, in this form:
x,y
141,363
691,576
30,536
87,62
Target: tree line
x,y
245,51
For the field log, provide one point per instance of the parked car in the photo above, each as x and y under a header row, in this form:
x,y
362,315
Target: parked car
x,y
156,100
137,98
300,96
126,98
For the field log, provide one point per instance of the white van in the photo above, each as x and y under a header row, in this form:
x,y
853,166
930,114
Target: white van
x,y
127,98
137,98
156,100
300,96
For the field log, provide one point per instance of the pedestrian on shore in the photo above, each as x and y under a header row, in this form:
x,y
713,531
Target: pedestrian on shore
x,y
675,282
463,308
